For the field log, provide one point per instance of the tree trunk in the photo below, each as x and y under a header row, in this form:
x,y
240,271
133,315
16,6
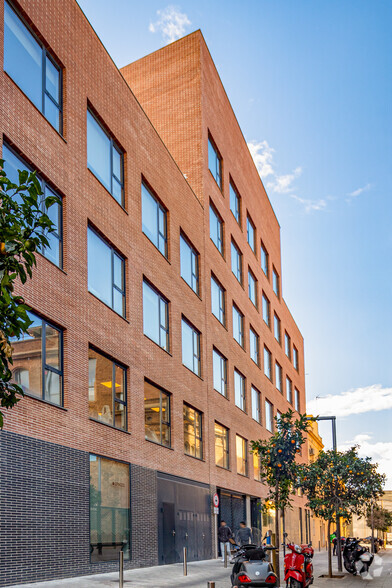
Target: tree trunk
x,y
277,534
329,551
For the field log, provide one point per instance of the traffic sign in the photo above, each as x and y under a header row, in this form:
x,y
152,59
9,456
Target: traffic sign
x,y
215,500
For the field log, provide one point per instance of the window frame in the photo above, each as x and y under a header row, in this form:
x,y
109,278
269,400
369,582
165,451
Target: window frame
x,y
253,277
256,410
287,345
289,389
160,209
239,260
44,365
241,325
196,332
226,451
277,323
223,379
295,358
271,422
275,282
200,438
297,400
219,160
257,340
249,223
245,455
161,298
44,185
124,402
161,421
237,211
278,368
266,306
269,355
194,256
114,145
55,62
242,391
220,235
114,287
222,299
263,249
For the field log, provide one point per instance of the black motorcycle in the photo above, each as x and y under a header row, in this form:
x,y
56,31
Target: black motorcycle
x,y
252,568
357,558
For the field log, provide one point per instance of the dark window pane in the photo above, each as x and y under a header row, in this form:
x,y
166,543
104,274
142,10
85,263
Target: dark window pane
x,y
22,56
109,509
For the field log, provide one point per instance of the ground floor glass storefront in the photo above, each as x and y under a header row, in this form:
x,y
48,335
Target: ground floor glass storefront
x,y
109,509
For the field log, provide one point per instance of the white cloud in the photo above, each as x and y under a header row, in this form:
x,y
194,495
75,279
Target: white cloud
x,y
283,184
172,23
356,401
310,205
380,452
359,191
263,157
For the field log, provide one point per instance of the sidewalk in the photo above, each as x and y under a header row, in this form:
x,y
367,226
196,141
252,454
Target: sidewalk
x,y
199,573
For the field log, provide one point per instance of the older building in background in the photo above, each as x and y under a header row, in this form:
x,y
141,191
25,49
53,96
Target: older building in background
x,y
160,342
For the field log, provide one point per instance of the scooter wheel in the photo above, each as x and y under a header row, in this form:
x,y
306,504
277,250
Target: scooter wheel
x,y
294,583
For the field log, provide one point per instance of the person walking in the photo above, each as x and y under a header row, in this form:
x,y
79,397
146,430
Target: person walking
x,y
224,536
243,535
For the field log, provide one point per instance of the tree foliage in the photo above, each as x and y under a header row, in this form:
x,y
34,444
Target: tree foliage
x,y
340,482
382,518
24,226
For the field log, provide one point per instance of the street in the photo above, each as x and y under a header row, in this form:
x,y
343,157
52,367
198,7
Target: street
x,y
199,573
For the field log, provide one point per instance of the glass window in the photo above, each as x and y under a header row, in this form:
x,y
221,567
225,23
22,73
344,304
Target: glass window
x,y
155,316
215,163
218,301
189,264
266,310
154,221
264,259
105,272
256,467
32,69
106,390
236,262
252,288
238,326
287,345
191,348
239,390
242,455
54,252
268,416
278,377
216,230
193,440
254,346
295,358
219,364
267,363
289,390
156,414
109,509
275,282
296,400
105,159
235,204
256,407
37,361
221,446
251,234
277,328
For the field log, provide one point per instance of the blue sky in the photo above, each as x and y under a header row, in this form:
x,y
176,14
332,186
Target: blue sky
x,y
311,85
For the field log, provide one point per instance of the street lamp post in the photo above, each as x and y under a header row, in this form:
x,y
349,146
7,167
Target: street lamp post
x,y
335,448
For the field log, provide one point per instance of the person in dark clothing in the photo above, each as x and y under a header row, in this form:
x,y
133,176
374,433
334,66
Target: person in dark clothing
x,y
244,534
335,545
224,536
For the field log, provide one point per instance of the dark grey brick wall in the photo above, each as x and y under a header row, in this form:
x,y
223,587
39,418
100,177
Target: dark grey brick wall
x,y
44,513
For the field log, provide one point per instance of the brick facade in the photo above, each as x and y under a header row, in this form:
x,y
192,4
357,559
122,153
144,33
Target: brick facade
x,y
162,143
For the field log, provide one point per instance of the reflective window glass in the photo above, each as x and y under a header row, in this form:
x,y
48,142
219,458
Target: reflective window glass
x,y
238,326
219,365
250,234
264,259
252,288
268,416
218,301
277,329
239,390
236,262
235,203
216,230
221,446
189,260
193,440
155,316
266,310
267,363
254,346
278,377
190,347
256,411
241,455
215,163
156,414
154,221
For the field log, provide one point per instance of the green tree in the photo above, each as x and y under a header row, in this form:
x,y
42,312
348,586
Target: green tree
x,y
278,465
382,518
24,225
340,484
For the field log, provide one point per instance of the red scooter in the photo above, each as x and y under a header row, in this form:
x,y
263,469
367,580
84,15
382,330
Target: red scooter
x,y
298,566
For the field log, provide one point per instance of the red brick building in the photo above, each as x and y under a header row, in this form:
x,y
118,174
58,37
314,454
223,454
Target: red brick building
x,y
161,343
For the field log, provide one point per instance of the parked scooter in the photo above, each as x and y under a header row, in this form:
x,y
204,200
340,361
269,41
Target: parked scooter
x,y
252,568
357,558
298,566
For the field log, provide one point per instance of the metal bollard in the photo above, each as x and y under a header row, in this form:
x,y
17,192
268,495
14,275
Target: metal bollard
x,y
319,546
225,557
185,564
210,584
273,552
121,570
